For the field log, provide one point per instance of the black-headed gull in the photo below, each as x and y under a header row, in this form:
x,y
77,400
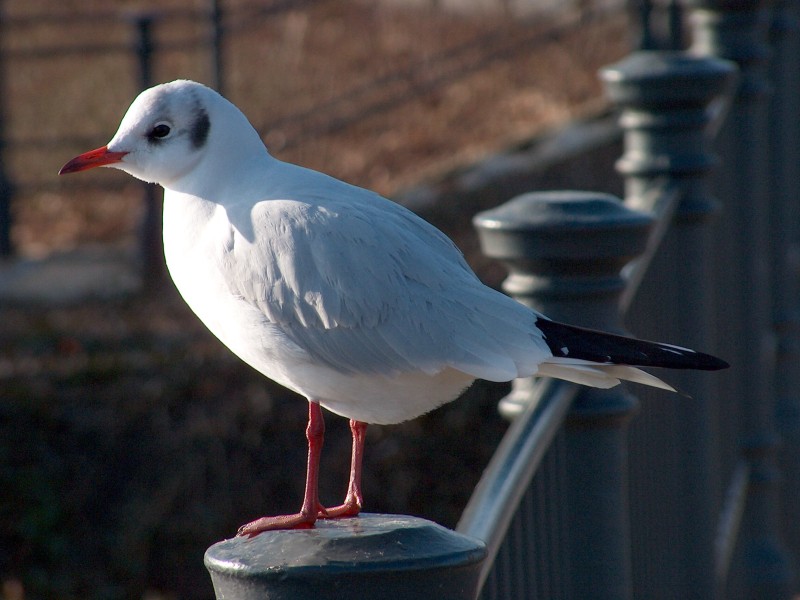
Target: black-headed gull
x,y
333,291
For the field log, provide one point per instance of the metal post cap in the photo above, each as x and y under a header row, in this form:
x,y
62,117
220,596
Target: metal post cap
x,y
564,225
658,77
369,556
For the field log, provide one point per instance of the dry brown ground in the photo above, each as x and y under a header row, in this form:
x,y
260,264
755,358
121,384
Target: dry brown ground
x,y
297,63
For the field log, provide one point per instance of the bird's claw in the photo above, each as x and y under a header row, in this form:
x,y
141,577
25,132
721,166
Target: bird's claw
x,y
296,521
300,520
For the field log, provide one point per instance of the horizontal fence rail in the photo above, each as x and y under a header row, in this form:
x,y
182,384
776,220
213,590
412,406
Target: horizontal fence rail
x,y
513,465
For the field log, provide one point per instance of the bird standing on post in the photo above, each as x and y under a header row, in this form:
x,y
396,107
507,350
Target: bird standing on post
x,y
335,292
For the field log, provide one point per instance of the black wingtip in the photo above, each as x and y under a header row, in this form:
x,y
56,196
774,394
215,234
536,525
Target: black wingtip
x,y
714,363
601,347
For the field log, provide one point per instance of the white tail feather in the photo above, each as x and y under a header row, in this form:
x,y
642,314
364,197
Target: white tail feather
x,y
597,375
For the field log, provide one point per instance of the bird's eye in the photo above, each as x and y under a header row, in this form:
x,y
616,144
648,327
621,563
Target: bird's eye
x,y
161,130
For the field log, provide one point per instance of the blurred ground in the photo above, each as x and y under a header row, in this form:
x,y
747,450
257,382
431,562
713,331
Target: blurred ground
x,y
130,440
415,93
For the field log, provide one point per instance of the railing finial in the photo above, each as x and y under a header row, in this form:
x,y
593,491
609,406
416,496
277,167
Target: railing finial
x,y
369,556
566,251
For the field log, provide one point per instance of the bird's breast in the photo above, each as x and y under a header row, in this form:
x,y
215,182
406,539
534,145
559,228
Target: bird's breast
x,y
197,246
191,264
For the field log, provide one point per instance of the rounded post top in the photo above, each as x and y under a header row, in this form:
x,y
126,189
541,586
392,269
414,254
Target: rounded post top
x,y
368,556
563,225
667,77
557,210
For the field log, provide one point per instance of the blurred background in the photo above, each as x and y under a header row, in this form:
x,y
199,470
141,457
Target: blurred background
x,y
130,439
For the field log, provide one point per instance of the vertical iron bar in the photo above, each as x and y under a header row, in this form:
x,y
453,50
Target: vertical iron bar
x,y
217,49
6,185
646,37
661,25
151,246
675,25
737,31
785,174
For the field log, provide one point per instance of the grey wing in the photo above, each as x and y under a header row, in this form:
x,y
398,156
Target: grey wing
x,y
379,290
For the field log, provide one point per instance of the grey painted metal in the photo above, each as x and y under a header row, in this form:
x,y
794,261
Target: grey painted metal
x,y
370,556
737,30
665,198
565,252
730,521
661,24
646,37
508,475
665,99
784,136
676,32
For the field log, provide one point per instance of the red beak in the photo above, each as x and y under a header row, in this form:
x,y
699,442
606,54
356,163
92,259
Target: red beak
x,y
90,160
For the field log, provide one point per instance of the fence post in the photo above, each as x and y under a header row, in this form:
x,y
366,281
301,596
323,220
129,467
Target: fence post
x,y
370,556
784,139
151,246
6,185
660,25
6,195
565,251
217,35
665,98
738,31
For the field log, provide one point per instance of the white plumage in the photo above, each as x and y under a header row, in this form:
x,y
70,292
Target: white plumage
x,y
331,290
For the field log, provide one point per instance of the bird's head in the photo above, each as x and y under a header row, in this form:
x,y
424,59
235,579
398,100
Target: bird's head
x,y
169,130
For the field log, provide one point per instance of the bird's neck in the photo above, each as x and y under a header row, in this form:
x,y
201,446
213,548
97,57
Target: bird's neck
x,y
225,178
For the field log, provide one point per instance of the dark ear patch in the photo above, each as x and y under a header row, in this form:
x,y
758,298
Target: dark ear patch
x,y
200,128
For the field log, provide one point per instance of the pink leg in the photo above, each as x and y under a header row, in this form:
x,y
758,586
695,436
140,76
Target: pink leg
x,y
315,433
354,499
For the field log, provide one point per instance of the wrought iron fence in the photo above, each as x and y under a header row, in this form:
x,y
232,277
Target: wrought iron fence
x,y
708,516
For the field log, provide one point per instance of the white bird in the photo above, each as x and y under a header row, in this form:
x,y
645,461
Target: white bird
x,y
341,295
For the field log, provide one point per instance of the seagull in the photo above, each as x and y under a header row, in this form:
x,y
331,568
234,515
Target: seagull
x,y
337,293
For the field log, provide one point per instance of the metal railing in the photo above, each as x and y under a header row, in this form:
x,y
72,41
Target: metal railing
x,y
705,506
